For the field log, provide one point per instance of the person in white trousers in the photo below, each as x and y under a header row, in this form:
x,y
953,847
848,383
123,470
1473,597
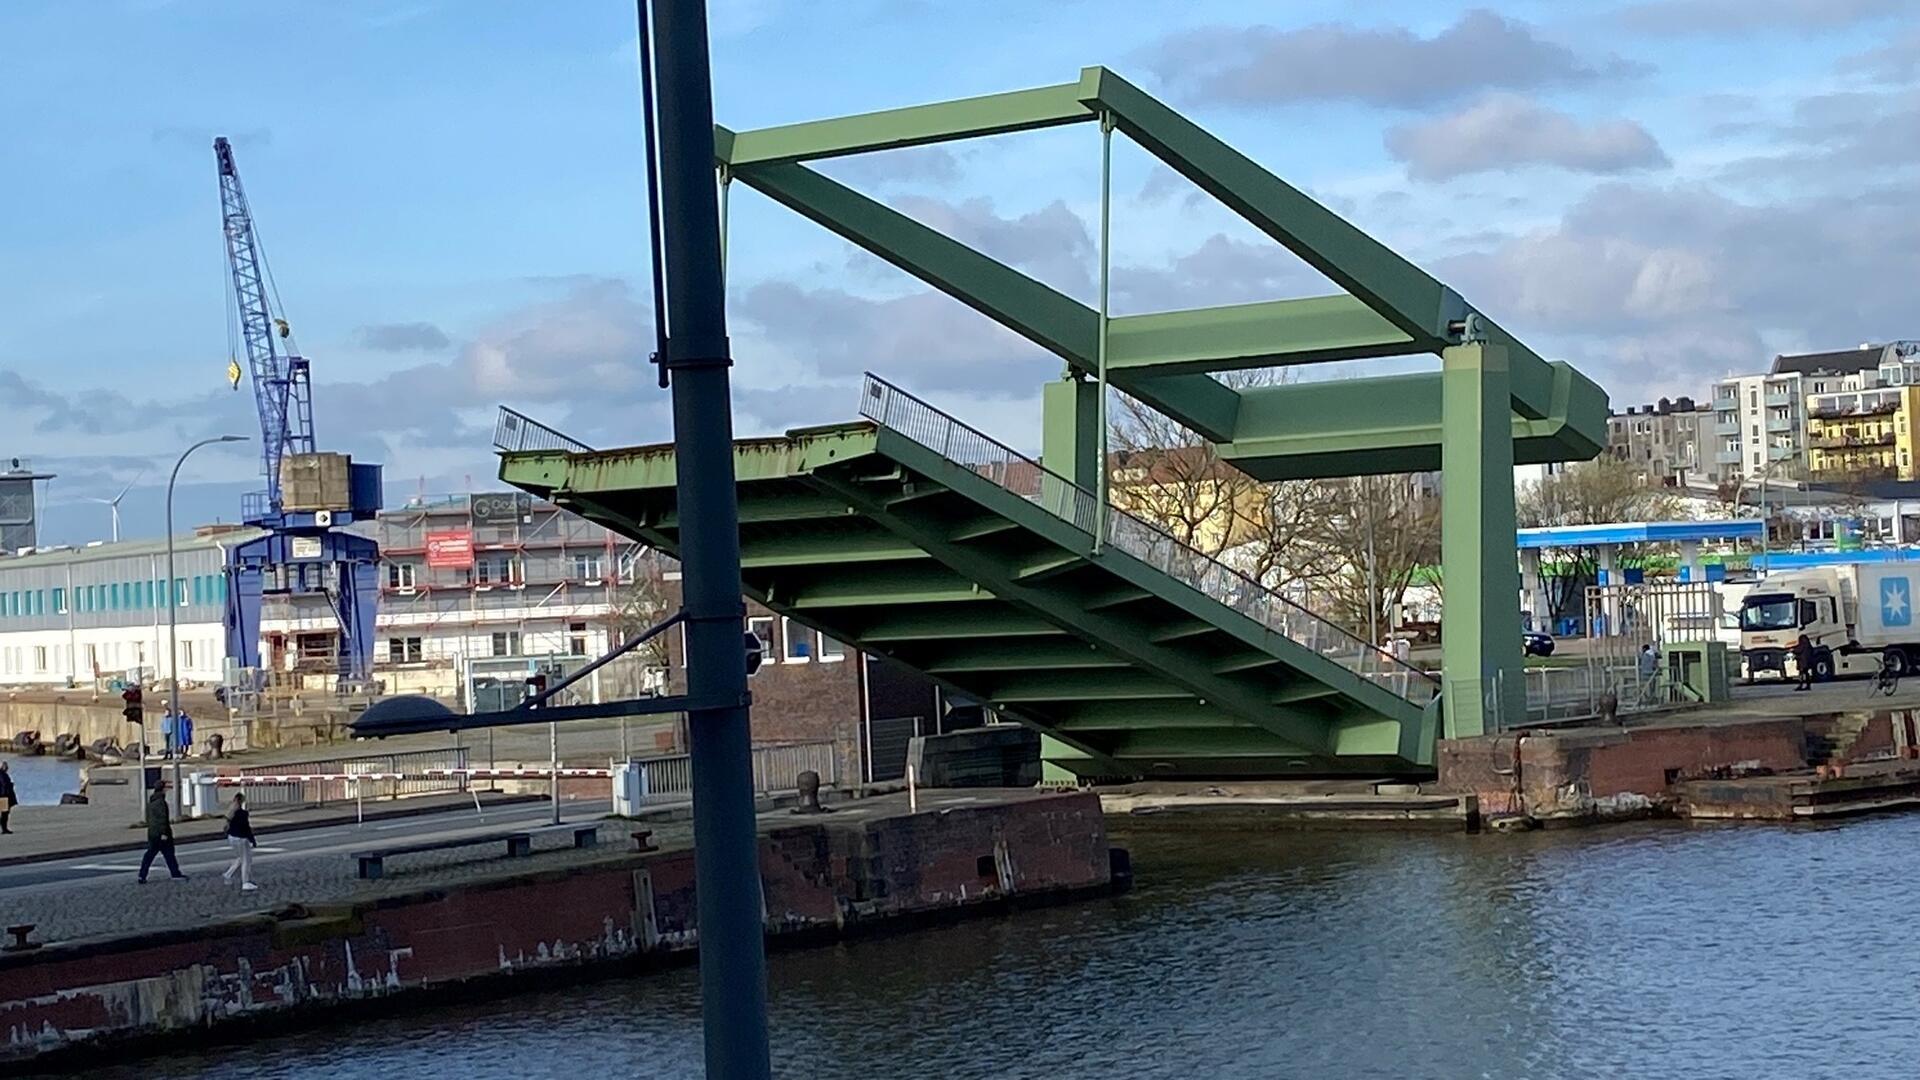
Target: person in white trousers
x,y
240,838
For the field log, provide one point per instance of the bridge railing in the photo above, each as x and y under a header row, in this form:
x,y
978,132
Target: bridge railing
x,y
515,432
669,778
901,412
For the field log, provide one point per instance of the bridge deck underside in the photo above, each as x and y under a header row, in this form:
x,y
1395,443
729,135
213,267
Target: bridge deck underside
x,y
868,539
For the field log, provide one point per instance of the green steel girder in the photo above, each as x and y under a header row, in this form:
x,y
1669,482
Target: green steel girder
x,y
893,129
1392,424
1066,654
1392,307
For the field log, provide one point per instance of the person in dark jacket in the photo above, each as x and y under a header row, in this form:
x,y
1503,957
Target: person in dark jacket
x,y
240,839
1803,659
7,797
159,834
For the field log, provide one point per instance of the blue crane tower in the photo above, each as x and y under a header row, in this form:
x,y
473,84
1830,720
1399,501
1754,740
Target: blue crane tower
x,y
310,496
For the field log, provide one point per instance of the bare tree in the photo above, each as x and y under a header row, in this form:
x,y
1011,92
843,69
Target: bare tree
x,y
1372,537
641,599
1167,474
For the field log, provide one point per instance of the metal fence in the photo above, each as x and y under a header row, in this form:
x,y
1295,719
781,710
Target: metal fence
x,y
670,779
514,432
317,792
901,412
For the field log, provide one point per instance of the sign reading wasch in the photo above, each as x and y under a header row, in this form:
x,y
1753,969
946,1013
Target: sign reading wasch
x,y
449,550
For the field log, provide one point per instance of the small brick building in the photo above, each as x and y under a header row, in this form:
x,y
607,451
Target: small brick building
x,y
811,687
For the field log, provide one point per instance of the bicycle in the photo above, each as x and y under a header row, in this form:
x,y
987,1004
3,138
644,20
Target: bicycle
x,y
1887,679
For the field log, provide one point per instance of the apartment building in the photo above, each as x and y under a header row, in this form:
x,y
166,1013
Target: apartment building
x,y
1670,442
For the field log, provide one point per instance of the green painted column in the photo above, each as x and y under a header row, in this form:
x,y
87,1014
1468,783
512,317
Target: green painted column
x,y
1483,677
1070,445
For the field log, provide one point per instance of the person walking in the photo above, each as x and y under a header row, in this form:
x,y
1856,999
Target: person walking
x,y
159,834
1649,672
1803,659
7,797
240,839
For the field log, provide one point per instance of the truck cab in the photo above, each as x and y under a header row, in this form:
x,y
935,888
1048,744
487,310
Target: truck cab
x,y
1820,603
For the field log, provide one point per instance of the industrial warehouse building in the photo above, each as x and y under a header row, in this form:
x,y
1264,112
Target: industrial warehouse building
x,y
463,578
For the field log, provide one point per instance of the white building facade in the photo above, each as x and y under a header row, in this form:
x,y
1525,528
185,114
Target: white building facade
x,y
462,578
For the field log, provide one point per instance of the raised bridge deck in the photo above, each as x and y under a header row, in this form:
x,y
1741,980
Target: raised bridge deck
x,y
910,535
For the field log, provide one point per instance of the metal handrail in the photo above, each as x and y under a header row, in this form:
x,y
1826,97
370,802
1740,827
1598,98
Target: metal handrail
x,y
899,411
515,432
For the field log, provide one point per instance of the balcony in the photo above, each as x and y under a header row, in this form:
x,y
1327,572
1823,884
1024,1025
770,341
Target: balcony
x,y
1779,400
1726,424
1782,453
1727,457
1847,442
1779,423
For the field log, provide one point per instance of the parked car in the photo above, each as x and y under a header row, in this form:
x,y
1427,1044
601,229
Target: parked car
x,y
1535,643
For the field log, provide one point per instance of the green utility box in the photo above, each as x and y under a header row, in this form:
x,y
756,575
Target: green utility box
x,y
1703,668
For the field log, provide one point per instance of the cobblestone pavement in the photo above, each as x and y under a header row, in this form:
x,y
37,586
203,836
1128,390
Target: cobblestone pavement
x,y
71,910
113,820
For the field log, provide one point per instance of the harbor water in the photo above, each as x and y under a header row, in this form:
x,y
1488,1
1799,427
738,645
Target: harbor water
x,y
41,780
1648,950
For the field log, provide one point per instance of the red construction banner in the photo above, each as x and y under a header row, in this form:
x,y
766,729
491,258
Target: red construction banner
x,y
449,550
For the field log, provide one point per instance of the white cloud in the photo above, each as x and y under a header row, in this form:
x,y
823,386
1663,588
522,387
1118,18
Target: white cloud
x,y
1394,66
1505,131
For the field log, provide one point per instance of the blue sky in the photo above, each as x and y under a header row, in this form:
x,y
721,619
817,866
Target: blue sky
x,y
452,202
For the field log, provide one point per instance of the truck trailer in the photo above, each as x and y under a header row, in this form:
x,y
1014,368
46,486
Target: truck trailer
x,y
1857,615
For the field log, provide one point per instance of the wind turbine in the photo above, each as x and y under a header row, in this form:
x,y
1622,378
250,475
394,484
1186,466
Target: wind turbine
x,y
114,503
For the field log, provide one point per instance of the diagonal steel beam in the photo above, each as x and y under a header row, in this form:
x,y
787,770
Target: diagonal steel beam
x,y
1400,291
1042,315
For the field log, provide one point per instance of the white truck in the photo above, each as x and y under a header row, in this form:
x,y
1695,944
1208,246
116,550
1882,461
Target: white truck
x,y
1854,614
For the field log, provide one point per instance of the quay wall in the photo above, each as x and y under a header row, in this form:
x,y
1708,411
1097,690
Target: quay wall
x,y
820,881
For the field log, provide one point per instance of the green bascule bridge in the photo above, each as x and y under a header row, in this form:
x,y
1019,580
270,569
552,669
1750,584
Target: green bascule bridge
x,y
907,533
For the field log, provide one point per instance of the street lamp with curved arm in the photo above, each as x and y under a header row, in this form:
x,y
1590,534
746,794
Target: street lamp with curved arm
x,y
173,619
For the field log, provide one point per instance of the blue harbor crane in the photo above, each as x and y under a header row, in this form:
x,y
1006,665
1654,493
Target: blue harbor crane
x,y
310,496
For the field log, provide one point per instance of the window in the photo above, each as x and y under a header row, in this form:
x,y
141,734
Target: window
x,y
400,575
761,626
577,639
113,596
799,642
587,566
506,643
483,570
831,650
186,654
403,650
93,659
59,601
39,658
